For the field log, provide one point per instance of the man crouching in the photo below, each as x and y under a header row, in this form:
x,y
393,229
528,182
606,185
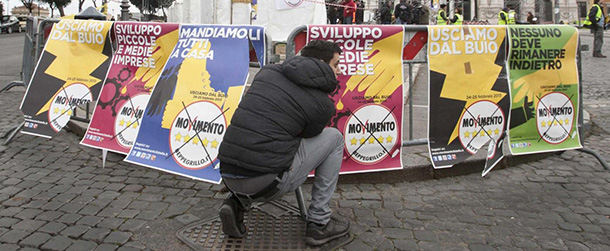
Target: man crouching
x,y
277,136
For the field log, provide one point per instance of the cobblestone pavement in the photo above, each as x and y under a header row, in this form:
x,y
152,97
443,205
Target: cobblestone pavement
x,y
54,195
596,82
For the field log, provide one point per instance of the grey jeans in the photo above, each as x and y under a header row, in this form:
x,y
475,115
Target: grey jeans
x,y
598,40
324,154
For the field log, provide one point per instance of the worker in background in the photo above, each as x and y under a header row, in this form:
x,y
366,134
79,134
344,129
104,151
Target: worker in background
x,y
503,16
441,17
457,19
511,15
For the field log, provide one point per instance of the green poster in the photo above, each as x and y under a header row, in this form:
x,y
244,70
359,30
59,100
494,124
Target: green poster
x,y
543,79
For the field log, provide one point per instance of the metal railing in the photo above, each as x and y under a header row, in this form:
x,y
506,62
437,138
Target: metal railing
x,y
297,39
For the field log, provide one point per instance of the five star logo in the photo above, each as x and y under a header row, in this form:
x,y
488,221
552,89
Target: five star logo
x,y
555,116
202,125
128,119
369,134
479,123
62,104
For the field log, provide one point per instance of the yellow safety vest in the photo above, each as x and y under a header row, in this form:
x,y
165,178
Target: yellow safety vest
x,y
460,19
500,20
511,17
597,16
439,18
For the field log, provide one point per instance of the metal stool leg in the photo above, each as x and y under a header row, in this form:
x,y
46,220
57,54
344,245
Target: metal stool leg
x,y
301,201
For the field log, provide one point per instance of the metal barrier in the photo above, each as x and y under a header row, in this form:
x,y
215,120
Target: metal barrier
x,y
414,52
29,55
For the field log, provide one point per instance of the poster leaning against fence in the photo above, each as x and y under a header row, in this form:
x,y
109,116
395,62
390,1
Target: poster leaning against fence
x,y
142,51
369,99
544,88
61,80
193,102
468,92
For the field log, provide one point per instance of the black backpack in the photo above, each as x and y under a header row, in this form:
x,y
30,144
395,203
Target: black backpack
x,y
416,14
405,13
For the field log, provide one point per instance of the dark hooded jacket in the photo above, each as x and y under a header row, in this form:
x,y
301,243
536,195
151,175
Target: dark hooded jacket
x,y
285,103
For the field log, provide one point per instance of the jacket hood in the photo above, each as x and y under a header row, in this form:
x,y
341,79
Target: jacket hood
x,y
310,72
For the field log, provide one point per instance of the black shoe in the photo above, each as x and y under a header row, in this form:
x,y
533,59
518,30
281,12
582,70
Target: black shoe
x,y
318,235
232,217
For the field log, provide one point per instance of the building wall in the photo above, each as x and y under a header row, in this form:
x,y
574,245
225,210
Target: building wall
x,y
36,11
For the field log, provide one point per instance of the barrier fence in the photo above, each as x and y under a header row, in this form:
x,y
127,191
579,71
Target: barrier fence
x,y
415,49
414,53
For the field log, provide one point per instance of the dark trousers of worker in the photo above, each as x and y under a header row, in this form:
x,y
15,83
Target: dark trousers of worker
x,y
598,40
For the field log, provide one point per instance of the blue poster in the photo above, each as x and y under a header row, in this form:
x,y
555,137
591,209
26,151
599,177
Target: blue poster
x,y
193,101
258,42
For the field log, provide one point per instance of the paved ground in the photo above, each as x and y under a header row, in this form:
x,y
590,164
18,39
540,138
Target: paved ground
x,y
54,195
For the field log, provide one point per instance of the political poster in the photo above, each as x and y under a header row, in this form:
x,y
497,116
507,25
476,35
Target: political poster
x,y
468,92
193,101
369,99
258,43
69,74
544,88
142,51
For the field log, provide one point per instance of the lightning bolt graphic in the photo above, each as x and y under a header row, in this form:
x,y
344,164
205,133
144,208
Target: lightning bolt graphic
x,y
161,53
385,81
460,83
531,84
74,61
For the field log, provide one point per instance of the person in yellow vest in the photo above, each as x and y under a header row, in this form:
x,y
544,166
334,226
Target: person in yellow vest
x,y
511,16
503,16
441,17
595,21
457,19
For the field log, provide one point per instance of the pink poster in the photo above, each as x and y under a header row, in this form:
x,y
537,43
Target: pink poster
x,y
369,101
141,53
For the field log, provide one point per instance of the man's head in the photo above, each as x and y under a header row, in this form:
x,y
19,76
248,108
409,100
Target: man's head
x,y
443,6
324,50
596,1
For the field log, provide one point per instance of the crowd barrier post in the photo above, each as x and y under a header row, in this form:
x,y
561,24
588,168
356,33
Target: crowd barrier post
x,y
416,53
28,61
30,57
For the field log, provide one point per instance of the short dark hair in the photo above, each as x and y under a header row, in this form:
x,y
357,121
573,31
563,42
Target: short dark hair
x,y
443,5
595,1
321,49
